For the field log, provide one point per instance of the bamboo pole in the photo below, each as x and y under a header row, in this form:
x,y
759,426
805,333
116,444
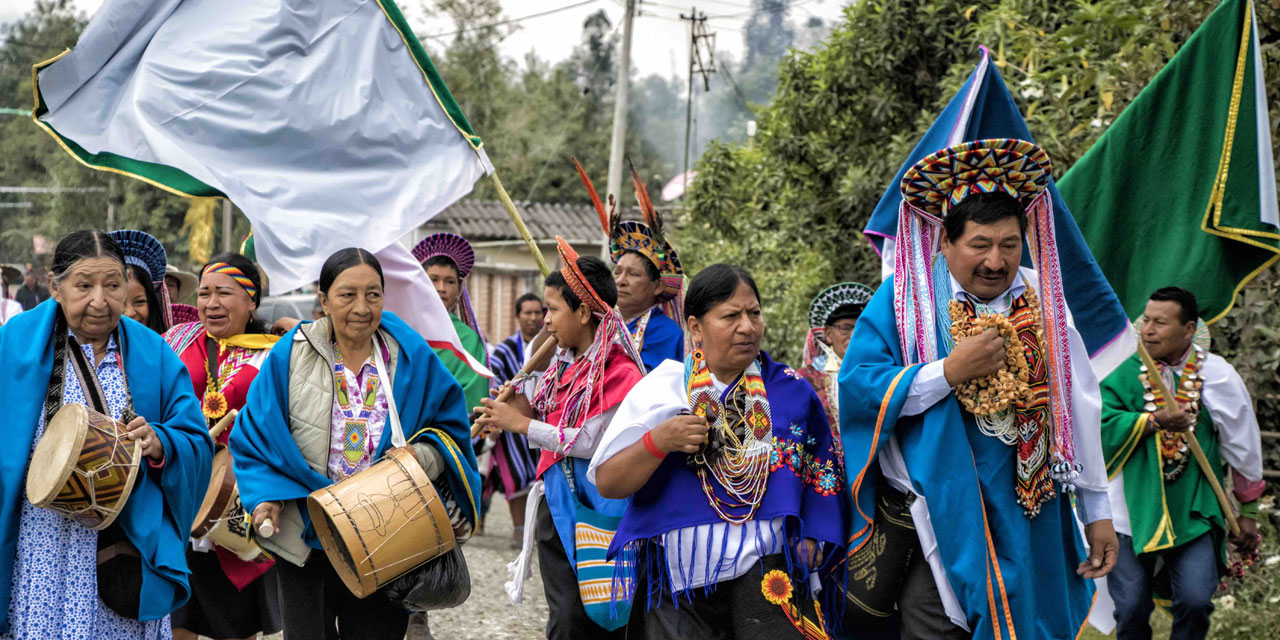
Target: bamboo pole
x,y
536,361
519,222
1158,385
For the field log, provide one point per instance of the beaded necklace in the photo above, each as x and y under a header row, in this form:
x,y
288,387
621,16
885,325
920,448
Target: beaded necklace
x,y
214,405
1012,405
637,338
355,434
1175,454
737,451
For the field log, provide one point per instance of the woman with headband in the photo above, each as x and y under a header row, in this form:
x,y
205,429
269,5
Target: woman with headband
x,y
230,598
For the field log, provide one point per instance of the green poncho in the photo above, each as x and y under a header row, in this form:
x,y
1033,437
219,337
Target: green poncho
x,y
1162,514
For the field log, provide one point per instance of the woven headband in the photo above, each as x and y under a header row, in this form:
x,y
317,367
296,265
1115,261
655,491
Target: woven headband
x,y
235,274
577,281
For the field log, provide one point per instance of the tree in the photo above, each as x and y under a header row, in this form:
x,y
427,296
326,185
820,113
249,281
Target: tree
x,y
792,202
30,157
534,118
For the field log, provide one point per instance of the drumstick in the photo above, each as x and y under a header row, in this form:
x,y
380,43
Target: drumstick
x,y
535,362
222,424
266,529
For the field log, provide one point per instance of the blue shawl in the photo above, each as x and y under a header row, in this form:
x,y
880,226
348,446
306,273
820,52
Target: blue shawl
x,y
663,340
805,483
158,515
1008,572
269,465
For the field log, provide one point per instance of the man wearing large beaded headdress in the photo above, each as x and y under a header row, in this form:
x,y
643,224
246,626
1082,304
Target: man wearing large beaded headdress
x,y
967,399
648,276
1167,516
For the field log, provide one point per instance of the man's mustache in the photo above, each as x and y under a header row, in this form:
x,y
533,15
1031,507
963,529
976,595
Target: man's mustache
x,y
987,273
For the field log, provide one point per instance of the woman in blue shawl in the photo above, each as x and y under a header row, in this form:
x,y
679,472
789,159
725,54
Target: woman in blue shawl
x,y
133,376
318,412
734,479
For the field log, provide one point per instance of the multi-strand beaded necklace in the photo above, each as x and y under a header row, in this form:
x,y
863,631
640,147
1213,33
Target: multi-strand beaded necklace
x,y
1012,404
1175,454
737,451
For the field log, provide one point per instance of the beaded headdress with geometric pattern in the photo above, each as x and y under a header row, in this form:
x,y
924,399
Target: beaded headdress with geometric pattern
x,y
646,238
459,251
144,250
930,189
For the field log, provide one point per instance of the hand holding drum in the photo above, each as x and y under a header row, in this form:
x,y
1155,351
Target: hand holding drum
x,y
138,430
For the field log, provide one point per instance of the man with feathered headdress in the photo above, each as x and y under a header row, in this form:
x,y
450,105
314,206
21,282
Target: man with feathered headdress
x,y
967,400
648,275
565,414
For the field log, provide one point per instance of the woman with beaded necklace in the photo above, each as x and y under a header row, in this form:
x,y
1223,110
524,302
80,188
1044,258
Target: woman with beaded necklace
x,y
734,479
230,597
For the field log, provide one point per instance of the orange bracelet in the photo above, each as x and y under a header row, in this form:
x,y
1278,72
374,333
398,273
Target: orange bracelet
x,y
653,448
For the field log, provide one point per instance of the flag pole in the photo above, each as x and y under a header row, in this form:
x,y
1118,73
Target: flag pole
x,y
1157,384
519,222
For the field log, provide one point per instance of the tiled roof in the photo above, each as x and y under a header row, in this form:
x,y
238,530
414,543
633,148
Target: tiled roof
x,y
487,221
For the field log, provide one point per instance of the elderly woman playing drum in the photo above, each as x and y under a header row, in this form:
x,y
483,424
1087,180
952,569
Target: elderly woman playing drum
x,y
734,479
231,597
75,351
322,409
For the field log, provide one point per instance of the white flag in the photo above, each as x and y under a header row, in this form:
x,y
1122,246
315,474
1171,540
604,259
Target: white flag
x,y
325,122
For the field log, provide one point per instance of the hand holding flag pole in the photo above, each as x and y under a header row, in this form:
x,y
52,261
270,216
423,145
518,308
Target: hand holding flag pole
x,y
1158,386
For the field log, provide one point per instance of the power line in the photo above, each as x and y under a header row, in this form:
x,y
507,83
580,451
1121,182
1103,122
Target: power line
x,y
734,83
671,19
512,20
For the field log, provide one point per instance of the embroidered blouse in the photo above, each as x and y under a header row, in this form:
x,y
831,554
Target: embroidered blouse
x,y
359,416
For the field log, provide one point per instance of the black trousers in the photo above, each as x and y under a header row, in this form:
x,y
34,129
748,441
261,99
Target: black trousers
x,y
922,614
566,619
314,604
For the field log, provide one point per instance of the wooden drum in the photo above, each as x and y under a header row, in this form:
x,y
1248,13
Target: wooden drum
x,y
83,467
221,518
381,523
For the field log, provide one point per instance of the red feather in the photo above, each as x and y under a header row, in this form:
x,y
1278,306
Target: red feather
x,y
642,197
595,197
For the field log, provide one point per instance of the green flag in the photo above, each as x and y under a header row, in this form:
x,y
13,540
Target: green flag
x,y
1181,189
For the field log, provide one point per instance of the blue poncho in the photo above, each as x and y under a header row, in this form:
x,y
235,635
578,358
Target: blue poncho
x,y
269,465
1008,572
663,339
157,517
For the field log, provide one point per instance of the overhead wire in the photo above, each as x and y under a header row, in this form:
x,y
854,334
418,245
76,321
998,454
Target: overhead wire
x,y
500,23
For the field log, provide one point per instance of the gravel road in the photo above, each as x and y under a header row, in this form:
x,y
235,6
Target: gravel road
x,y
488,614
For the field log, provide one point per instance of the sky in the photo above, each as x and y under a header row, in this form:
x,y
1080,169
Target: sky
x,y
660,41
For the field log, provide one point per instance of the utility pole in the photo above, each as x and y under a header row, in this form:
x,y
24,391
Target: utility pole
x,y
697,33
618,145
226,225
